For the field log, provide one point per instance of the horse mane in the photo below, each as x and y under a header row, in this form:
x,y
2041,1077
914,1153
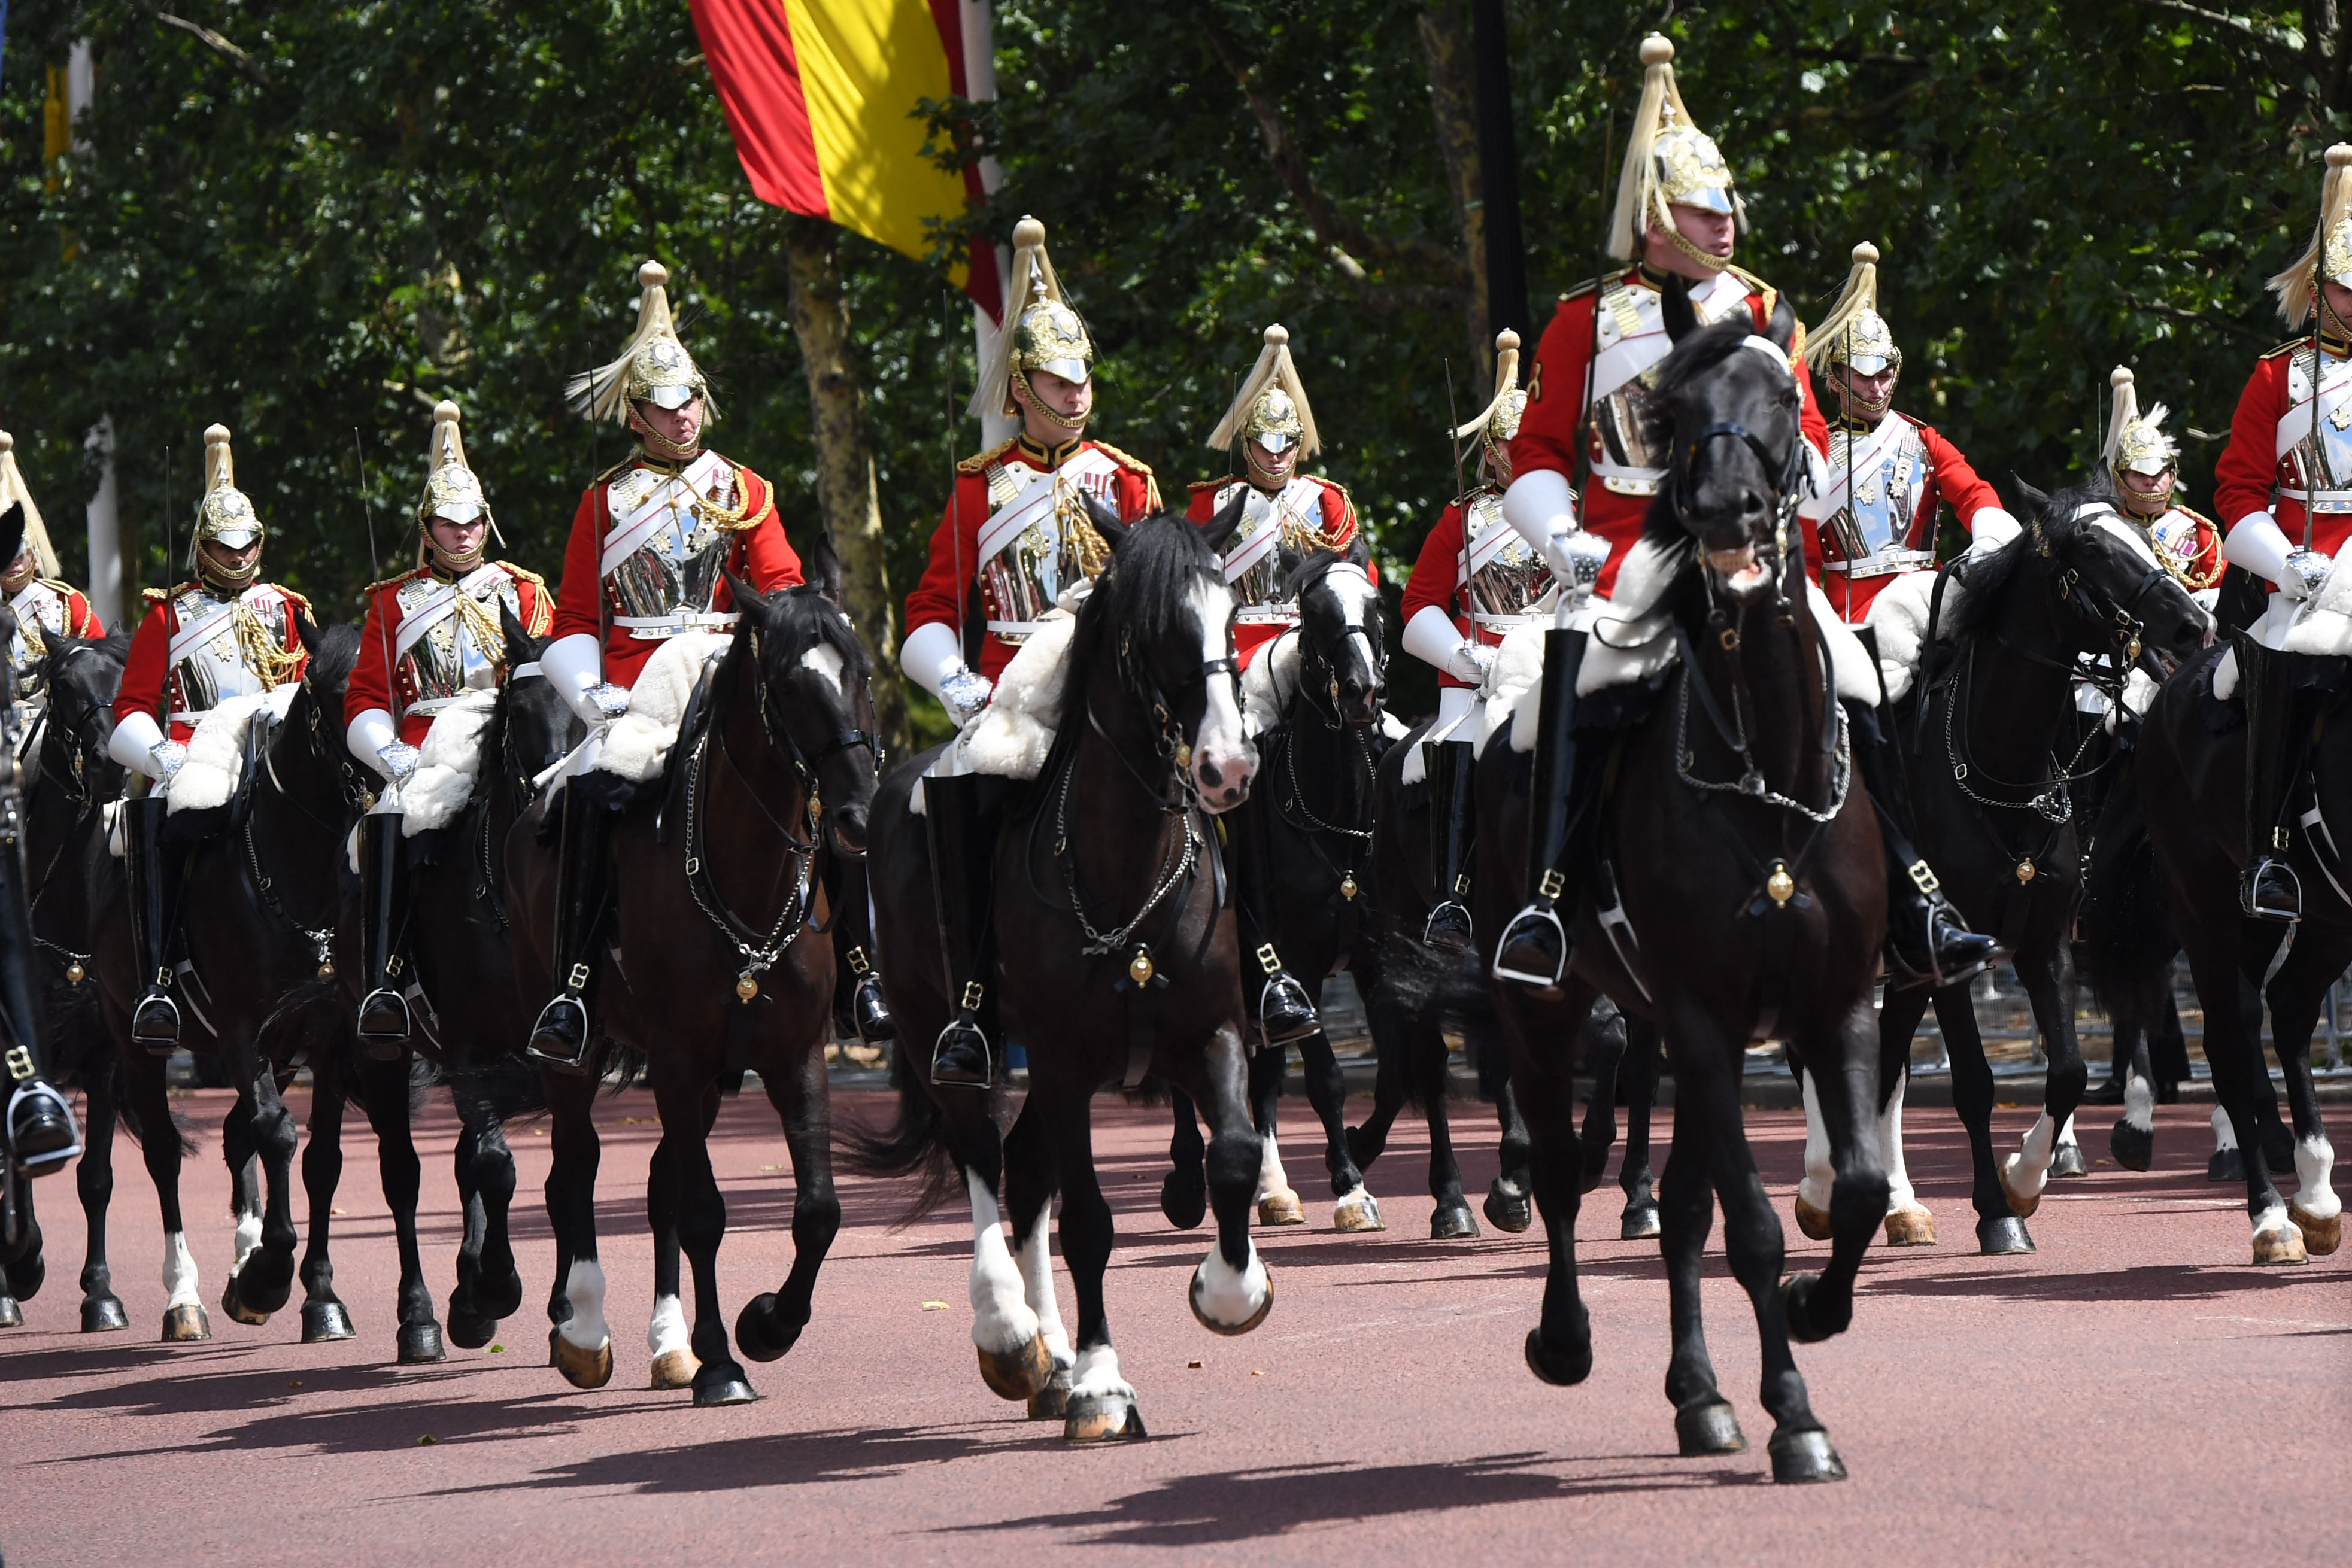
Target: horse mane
x,y
115,647
1143,592
2052,521
335,651
1708,349
806,618
1310,570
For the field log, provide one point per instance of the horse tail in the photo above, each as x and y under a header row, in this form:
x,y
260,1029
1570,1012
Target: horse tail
x,y
2128,941
915,1145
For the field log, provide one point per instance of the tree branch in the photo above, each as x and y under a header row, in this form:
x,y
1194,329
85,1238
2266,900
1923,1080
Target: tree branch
x,y
255,71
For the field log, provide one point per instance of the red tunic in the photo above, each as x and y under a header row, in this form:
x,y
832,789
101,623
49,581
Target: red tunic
x,y
1555,416
1338,532
1437,583
760,554
33,602
940,598
150,686
2251,471
381,632
1949,479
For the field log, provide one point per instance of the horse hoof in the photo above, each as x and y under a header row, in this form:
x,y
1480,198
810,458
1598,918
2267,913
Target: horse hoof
x,y
1911,1226
676,1369
1357,1211
2226,1165
1813,1222
2019,1203
2320,1237
1231,1331
1639,1222
1052,1403
1452,1222
2282,1245
1709,1428
581,1368
469,1330
103,1314
1020,1372
2068,1162
1184,1198
1281,1207
1561,1371
1810,1322
235,1306
721,1391
12,1316
2003,1235
420,1344
761,1332
2133,1148
325,1321
186,1323
1802,1456
1508,1208
1101,1418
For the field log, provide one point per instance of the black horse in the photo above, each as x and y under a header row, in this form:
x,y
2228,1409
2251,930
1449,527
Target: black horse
x,y
1312,819
68,776
723,961
257,914
1993,750
1127,969
1750,892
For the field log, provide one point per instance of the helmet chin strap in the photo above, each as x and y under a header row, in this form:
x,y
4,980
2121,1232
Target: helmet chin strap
x,y
1681,242
658,446
1027,398
220,576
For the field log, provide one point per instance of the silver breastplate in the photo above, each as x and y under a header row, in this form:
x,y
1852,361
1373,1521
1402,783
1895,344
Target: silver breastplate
x,y
1293,515
1882,499
447,661
677,567
1504,588
40,616
1618,419
1055,552
2321,458
214,669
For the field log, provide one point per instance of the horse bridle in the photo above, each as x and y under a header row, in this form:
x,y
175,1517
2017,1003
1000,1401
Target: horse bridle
x,y
780,734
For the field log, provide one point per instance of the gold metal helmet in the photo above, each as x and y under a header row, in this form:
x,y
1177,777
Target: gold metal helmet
x,y
1498,421
1855,335
2329,253
654,366
1042,332
1271,410
2138,443
14,492
1669,162
226,513
452,489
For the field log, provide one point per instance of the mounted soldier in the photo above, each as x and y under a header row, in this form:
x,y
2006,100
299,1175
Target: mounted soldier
x,y
1013,540
47,606
1888,472
1476,580
224,634
433,634
2284,487
652,545
1282,509
2143,464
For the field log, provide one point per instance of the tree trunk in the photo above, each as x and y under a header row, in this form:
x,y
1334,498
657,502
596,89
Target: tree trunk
x,y
845,494
1445,43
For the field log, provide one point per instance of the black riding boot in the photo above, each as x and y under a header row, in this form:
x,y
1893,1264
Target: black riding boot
x,y
582,887
153,869
1451,818
384,1020
959,813
1927,942
1533,951
2268,889
869,1007
1285,1010
36,1125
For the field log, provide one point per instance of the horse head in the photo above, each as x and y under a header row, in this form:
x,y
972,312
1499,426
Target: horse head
x,y
307,752
536,726
79,677
1727,411
814,700
1343,651
1162,607
2106,593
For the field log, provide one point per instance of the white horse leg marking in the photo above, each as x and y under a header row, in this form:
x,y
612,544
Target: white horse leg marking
x,y
1001,1321
248,1237
1813,1190
2225,1136
1899,1195
584,1288
179,1272
1271,1177
1096,1376
2139,1103
2027,1172
1037,1289
1228,1295
2315,1163
2066,1133
666,1330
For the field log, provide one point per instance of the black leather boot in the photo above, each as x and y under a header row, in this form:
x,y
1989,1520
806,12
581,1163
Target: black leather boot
x,y
1452,820
2268,889
1927,942
958,815
1284,1009
1533,951
384,1021
869,1007
153,871
583,888
37,1134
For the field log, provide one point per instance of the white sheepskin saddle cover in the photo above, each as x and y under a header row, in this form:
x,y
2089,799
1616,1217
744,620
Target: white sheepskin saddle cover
x,y
451,760
216,764
1898,616
1010,740
636,745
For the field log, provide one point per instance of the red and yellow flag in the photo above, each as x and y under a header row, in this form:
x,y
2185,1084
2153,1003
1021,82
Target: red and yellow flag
x,y
821,96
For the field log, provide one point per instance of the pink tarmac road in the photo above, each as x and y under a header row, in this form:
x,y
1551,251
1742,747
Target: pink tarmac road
x,y
2136,1394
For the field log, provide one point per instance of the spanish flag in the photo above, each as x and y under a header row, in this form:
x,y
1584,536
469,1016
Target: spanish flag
x,y
821,96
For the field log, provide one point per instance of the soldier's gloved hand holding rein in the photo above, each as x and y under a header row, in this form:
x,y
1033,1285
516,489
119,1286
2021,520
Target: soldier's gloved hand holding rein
x,y
965,697
575,666
1542,508
398,761
2257,544
139,743
933,657
169,756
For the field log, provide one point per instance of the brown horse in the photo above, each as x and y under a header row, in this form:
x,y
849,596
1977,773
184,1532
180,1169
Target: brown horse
x,y
1750,895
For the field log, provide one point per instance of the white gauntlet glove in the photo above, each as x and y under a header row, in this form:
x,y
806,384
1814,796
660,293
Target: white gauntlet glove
x,y
398,761
2306,572
1576,559
609,701
169,756
1469,663
965,697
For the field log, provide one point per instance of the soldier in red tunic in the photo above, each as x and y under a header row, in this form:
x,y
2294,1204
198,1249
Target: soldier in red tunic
x,y
1475,581
45,606
225,634
653,544
2143,465
1013,540
431,635
2284,487
1887,472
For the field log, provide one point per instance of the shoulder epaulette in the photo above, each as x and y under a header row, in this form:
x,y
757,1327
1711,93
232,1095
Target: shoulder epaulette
x,y
978,462
1133,464
523,572
1198,486
298,599
608,473
2193,513
2289,346
1591,284
155,595
59,584
393,582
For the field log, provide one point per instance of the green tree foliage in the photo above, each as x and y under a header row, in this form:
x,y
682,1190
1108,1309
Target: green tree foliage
x,y
306,218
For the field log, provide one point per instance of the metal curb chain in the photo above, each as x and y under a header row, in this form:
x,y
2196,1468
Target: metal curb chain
x,y
1100,943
